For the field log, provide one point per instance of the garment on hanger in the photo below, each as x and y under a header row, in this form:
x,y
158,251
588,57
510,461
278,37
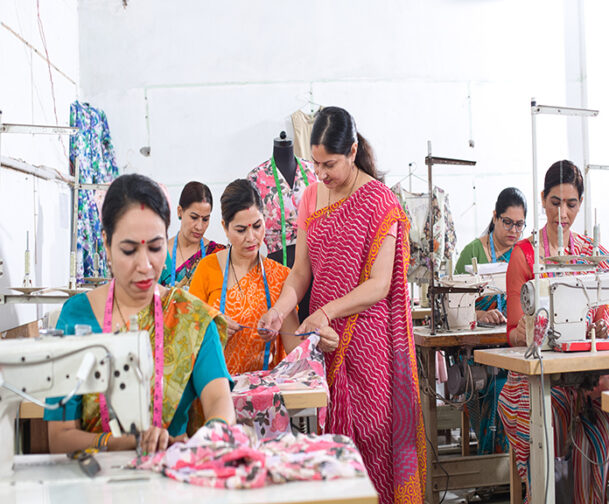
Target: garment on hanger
x,y
262,177
92,151
303,125
416,206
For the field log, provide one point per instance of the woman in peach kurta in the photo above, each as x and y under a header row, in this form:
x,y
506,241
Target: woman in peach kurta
x,y
245,304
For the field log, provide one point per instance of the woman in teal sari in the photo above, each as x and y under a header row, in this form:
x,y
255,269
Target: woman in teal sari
x,y
189,245
135,217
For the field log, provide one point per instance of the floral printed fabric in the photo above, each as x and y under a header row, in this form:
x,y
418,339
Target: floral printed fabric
x,y
222,456
262,177
257,395
416,206
92,151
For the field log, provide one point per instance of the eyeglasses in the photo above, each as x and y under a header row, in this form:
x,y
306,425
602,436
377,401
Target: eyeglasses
x,y
508,224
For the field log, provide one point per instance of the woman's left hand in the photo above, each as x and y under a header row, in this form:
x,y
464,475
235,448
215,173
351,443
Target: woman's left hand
x,y
328,339
313,323
601,329
154,439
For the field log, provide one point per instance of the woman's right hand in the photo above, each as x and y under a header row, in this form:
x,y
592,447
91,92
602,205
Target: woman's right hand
x,y
231,327
270,323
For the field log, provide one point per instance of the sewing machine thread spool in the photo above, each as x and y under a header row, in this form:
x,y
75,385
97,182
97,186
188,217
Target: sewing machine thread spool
x,y
597,237
72,270
593,339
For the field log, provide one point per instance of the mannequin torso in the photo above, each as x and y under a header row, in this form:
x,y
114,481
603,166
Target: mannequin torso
x,y
283,153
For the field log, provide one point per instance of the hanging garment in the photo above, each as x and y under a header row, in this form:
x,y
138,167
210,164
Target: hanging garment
x,y
303,125
92,151
257,395
264,179
416,206
221,456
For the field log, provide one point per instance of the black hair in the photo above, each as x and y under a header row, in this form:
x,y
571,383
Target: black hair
x,y
128,190
563,172
195,192
239,195
335,129
509,197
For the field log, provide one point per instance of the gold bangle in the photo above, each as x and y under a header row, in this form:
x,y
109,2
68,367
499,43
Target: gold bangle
x,y
216,419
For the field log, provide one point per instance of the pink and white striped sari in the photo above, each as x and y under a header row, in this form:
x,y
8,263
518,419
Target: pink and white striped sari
x,y
374,387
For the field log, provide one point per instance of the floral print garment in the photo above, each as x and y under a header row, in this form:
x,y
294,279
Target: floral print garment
x,y
92,151
257,395
416,206
262,177
221,456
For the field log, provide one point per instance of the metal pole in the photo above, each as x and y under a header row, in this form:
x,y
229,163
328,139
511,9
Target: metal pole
x,y
536,266
428,162
583,75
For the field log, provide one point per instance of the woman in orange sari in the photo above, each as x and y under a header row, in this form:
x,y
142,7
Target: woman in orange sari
x,y
243,285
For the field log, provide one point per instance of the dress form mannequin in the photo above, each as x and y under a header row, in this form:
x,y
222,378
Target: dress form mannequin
x,y
283,153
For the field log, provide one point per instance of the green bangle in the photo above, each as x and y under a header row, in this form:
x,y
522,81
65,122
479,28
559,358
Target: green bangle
x,y
216,419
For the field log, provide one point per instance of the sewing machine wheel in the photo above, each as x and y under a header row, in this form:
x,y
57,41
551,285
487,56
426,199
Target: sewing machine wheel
x,y
527,298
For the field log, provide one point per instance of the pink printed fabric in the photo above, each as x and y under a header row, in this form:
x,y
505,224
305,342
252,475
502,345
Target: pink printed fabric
x,y
372,375
222,456
262,177
258,399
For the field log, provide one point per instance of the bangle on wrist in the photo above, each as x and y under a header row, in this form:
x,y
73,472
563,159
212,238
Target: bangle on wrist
x,y
216,419
324,312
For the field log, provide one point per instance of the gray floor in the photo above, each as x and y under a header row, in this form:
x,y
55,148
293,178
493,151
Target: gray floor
x,y
501,496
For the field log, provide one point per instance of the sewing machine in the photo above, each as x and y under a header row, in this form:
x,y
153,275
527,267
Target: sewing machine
x,y
567,300
119,365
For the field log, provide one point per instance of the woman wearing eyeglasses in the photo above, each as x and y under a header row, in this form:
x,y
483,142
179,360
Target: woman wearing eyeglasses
x,y
504,231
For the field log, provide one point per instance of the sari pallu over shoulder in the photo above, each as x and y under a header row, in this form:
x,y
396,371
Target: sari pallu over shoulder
x,y
374,367
185,320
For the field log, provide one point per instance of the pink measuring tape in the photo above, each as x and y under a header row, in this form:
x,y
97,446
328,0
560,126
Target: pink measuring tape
x,y
159,354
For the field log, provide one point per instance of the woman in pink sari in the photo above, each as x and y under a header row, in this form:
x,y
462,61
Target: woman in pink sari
x,y
353,241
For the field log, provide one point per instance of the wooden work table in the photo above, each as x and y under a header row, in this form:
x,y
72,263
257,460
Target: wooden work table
x,y
465,471
294,398
540,388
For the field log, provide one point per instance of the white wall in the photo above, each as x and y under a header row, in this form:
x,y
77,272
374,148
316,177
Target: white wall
x,y
221,82
28,203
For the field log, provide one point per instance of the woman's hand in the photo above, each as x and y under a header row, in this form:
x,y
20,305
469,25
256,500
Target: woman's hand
x,y
518,336
328,339
490,317
154,439
231,327
601,329
314,322
269,324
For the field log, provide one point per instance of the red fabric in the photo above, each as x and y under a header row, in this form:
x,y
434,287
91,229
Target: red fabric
x,y
374,388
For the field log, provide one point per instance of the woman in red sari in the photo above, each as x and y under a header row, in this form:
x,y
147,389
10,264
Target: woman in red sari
x,y
563,188
353,241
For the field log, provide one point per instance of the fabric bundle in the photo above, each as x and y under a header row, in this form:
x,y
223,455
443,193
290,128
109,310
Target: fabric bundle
x,y
257,395
221,456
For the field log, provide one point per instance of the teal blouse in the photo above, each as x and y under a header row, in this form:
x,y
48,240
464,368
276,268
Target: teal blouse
x,y
209,365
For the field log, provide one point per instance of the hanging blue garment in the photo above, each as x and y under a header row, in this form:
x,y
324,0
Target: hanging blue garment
x,y
92,151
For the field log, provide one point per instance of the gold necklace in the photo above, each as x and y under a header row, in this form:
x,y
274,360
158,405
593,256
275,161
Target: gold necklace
x,y
348,194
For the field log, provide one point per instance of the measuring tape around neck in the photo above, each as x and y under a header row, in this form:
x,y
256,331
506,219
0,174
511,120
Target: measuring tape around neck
x,y
159,358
